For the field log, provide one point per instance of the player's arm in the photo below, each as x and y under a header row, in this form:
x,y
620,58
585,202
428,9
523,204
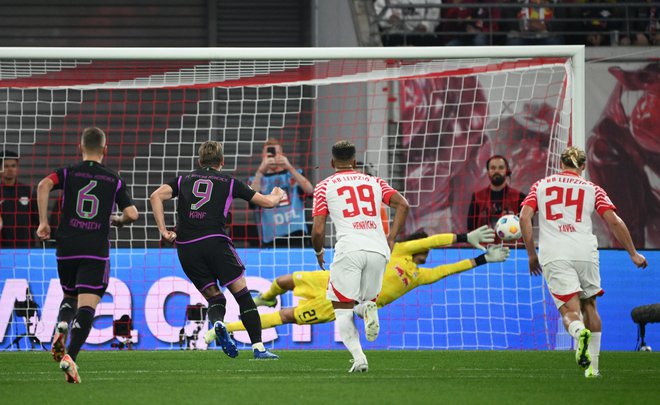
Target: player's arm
x,y
622,234
526,215
318,238
494,254
400,204
128,215
43,190
163,193
268,201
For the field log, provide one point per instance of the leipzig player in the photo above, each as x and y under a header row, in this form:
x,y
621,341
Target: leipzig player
x,y
568,250
353,201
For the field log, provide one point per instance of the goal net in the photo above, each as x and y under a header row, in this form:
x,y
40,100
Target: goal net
x,y
425,120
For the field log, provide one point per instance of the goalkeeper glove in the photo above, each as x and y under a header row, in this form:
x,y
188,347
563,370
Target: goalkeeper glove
x,y
494,254
475,238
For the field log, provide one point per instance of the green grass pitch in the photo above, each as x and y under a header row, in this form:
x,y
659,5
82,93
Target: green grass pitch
x,y
321,377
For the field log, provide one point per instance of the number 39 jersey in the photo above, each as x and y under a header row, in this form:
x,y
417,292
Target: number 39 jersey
x,y
353,202
565,202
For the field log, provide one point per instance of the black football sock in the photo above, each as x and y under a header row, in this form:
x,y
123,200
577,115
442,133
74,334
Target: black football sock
x,y
249,315
80,328
217,309
67,310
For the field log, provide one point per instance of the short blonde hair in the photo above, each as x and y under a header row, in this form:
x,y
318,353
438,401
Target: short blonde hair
x,y
210,154
573,157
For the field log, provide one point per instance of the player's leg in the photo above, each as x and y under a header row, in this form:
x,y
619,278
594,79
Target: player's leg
x,y
343,291
594,324
564,285
371,283
279,286
91,282
66,270
250,317
270,320
590,281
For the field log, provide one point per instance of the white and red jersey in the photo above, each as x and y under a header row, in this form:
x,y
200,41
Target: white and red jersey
x,y
353,202
565,202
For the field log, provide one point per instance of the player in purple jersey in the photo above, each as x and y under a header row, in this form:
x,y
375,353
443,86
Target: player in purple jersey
x,y
89,194
205,250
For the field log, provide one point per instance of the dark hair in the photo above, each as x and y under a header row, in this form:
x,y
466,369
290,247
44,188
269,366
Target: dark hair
x,y
343,151
8,154
506,162
573,157
210,154
93,140
416,235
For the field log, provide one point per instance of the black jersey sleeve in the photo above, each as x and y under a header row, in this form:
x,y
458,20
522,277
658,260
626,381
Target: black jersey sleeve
x,y
174,184
242,191
123,199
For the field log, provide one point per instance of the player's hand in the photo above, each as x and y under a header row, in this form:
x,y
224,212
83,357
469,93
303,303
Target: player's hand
x,y
481,235
497,253
535,266
390,243
168,236
321,260
639,260
43,232
115,220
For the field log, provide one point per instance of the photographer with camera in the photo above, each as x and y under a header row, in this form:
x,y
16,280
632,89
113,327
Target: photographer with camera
x,y
285,224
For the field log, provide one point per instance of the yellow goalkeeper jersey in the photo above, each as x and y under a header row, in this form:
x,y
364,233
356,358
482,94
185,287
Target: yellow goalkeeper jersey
x,y
402,274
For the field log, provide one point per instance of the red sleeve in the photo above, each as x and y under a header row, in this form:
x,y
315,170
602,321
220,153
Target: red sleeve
x,y
320,203
53,177
388,191
603,202
531,200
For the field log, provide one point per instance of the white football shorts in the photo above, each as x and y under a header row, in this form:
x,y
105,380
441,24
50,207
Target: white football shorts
x,y
567,277
356,276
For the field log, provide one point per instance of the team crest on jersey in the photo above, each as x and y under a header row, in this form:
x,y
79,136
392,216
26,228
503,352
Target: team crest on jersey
x,y
24,200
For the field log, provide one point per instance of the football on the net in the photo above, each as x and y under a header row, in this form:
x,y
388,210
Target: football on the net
x,y
507,228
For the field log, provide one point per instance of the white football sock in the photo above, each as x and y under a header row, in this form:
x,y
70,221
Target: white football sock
x,y
348,332
574,328
259,346
594,349
359,310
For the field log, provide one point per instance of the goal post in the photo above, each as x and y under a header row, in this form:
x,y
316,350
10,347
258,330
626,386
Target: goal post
x,y
424,119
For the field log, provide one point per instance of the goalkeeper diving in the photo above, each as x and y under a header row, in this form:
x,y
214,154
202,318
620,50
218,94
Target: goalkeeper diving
x,y
402,275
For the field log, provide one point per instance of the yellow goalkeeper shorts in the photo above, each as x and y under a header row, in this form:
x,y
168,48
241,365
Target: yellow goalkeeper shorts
x,y
310,284
316,310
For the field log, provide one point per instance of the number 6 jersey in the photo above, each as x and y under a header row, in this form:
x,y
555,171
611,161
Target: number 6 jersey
x,y
89,193
565,202
353,202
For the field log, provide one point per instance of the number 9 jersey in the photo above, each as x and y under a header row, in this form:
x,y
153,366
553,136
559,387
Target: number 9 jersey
x,y
353,202
565,202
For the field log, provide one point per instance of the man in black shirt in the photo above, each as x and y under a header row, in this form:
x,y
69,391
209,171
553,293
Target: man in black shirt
x,y
89,193
205,250
17,205
489,204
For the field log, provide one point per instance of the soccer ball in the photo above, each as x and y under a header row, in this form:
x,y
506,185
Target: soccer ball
x,y
645,349
507,228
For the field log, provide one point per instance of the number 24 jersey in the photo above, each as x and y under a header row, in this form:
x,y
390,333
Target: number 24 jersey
x,y
565,202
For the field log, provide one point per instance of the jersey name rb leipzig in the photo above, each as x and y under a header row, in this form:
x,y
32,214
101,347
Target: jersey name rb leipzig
x,y
565,202
353,202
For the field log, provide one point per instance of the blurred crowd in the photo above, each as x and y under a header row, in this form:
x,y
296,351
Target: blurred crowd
x,y
517,22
